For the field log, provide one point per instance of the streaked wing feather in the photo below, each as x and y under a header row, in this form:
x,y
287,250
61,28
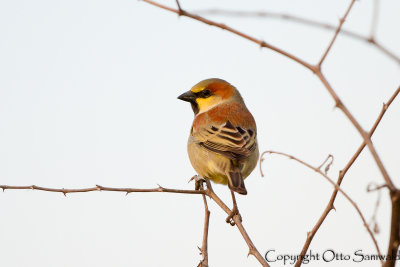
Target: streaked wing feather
x,y
228,140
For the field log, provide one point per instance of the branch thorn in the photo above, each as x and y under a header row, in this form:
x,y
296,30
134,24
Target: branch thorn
x,y
180,10
309,234
338,104
160,188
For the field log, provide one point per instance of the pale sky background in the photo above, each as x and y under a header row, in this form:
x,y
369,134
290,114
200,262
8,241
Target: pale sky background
x,y
88,96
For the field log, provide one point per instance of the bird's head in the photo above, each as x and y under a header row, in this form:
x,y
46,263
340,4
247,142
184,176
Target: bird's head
x,y
210,93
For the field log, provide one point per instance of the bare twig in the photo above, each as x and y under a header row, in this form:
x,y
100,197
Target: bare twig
x,y
316,169
336,34
309,22
328,166
374,187
179,7
342,173
260,166
204,246
373,222
374,20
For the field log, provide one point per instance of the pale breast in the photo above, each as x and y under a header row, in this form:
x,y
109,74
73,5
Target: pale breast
x,y
207,163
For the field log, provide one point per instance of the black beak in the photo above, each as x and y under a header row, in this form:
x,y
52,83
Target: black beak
x,y
189,96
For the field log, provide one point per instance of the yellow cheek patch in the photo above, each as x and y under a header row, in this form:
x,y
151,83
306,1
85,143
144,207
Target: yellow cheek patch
x,y
206,103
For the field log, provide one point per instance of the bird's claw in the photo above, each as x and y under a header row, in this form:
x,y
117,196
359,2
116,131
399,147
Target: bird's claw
x,y
198,182
234,212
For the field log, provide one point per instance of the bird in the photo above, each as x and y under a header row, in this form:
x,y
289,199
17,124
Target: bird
x,y
222,144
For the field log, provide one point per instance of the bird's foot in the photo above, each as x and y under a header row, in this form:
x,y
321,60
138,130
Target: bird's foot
x,y
199,181
233,213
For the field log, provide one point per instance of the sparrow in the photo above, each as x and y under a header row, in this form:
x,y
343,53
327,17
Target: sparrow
x,y
222,144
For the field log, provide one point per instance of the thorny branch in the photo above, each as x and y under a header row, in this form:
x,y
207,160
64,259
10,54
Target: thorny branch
x,y
205,192
103,188
204,246
318,170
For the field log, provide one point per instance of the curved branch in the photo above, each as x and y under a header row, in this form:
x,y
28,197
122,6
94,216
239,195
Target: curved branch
x,y
298,263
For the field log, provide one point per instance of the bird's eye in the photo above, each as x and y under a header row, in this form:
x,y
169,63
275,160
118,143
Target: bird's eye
x,y
205,93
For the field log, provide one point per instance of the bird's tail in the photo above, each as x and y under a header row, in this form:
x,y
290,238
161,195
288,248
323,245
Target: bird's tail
x,y
236,182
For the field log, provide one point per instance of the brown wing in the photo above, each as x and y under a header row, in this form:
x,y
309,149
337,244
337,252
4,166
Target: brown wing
x,y
233,142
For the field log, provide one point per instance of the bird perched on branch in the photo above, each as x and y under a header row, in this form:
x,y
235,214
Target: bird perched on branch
x,y
222,145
